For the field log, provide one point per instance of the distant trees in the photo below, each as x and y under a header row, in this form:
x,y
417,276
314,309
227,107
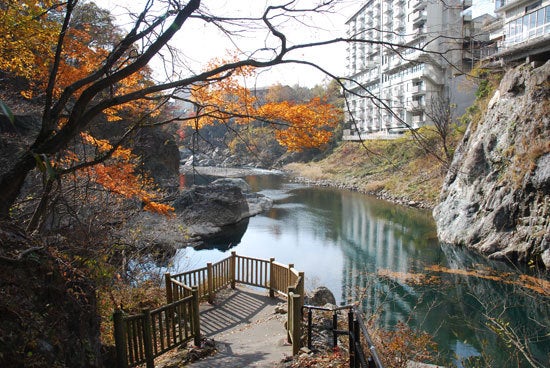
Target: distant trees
x,y
266,136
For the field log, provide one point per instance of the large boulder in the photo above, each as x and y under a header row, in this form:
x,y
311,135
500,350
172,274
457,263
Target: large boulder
x,y
217,205
495,198
204,215
321,296
207,209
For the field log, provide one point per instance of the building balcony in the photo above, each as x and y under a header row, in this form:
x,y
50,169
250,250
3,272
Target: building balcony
x,y
417,55
416,106
395,62
399,12
503,5
418,121
419,18
415,36
369,64
418,89
528,35
430,73
418,4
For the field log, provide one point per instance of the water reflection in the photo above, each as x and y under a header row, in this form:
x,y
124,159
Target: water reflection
x,y
228,237
388,257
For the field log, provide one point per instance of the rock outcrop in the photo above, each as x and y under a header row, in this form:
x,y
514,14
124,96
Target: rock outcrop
x,y
320,297
496,195
203,213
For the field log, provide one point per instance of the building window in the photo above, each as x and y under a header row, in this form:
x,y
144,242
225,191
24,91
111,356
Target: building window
x,y
533,6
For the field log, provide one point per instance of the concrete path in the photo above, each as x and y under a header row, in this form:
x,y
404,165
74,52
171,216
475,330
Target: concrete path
x,y
247,330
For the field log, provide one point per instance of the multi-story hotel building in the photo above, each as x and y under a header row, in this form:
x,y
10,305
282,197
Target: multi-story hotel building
x,y
522,31
408,54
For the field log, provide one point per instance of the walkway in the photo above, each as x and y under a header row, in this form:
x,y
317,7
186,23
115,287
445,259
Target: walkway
x,y
247,330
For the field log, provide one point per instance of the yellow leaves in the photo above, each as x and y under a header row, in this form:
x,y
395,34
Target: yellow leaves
x,y
30,31
27,37
224,99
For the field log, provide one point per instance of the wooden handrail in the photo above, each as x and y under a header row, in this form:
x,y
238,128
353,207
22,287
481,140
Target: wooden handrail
x,y
142,337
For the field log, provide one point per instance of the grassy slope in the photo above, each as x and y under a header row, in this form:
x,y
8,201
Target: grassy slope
x,y
396,169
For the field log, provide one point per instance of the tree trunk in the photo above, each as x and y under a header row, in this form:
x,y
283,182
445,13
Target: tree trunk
x,y
12,181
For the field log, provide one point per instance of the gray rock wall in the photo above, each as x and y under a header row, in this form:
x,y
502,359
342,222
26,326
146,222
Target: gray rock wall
x,y
496,195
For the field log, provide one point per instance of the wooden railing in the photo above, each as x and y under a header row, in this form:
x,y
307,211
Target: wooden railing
x,y
142,337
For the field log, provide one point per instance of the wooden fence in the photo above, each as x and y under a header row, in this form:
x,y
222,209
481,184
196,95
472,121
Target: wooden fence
x,y
142,337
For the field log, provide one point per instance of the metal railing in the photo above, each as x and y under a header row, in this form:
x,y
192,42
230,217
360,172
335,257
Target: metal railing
x,y
140,338
358,335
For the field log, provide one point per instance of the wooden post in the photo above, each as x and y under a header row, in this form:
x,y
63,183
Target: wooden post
x,y
232,269
210,282
148,339
309,327
301,289
296,324
271,278
120,339
289,274
289,314
196,317
168,280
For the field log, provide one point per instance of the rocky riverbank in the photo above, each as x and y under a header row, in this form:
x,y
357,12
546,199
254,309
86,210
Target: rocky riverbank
x,y
380,194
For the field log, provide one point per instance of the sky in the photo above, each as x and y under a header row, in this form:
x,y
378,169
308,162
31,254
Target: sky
x,y
200,42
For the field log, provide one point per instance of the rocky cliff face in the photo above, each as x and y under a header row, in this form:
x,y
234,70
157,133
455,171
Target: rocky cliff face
x,y
496,195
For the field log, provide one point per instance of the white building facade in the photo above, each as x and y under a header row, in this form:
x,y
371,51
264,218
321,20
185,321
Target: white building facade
x,y
409,53
523,31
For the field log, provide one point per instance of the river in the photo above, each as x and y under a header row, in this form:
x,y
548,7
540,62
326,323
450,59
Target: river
x,y
388,258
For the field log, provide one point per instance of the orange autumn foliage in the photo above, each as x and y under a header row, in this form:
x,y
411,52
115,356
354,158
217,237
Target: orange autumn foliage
x,y
298,125
308,124
30,32
119,176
